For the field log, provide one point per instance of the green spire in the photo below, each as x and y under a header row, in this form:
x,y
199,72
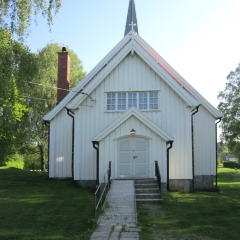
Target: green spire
x,y
131,18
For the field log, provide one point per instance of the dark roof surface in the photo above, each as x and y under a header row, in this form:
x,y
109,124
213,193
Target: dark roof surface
x,y
131,18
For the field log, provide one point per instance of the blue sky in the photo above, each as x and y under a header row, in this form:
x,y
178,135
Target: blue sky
x,y
199,38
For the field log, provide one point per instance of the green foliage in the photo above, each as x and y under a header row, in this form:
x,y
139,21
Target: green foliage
x,y
32,161
16,161
28,92
43,86
230,107
231,165
17,65
222,150
16,15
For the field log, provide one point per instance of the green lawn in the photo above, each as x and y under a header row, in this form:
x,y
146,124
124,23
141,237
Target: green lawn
x,y
35,207
198,215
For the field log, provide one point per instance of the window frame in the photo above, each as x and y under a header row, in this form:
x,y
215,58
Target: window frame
x,y
127,99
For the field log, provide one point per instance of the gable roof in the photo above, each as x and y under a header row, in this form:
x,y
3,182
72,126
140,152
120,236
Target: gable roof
x,y
141,117
132,43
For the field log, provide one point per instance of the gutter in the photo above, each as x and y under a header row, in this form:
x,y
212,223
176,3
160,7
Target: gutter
x,y
219,120
97,148
171,143
194,111
48,126
71,114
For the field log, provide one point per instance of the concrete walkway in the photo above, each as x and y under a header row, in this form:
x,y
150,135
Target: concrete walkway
x,y
118,222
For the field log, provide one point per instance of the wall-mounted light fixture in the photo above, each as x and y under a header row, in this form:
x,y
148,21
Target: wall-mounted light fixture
x,y
133,131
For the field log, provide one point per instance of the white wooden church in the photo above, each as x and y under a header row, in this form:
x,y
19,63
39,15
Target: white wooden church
x,y
132,109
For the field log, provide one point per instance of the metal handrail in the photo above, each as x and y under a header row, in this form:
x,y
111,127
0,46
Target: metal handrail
x,y
107,182
158,175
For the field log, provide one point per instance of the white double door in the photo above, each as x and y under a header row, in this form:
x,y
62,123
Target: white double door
x,y
132,158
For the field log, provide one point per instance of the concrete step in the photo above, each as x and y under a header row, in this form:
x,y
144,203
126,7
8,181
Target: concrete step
x,y
156,200
147,190
138,181
146,185
148,195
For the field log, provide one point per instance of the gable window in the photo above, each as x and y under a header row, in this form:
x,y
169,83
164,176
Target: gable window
x,y
124,100
111,101
132,100
153,98
143,100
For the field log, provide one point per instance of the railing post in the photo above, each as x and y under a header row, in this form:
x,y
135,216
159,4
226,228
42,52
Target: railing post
x,y
103,188
109,172
155,168
95,205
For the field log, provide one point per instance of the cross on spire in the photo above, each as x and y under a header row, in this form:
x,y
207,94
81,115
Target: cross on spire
x,y
131,23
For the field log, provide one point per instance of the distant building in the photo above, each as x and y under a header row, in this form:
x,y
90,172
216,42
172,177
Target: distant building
x,y
231,158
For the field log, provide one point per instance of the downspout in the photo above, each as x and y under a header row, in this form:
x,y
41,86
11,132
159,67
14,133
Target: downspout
x,y
171,143
194,111
48,126
220,119
97,148
71,114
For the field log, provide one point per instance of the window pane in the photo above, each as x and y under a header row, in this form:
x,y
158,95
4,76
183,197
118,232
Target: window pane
x,y
122,101
153,99
143,101
111,101
132,100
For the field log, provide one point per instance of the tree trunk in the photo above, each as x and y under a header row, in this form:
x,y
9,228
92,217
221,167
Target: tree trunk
x,y
42,155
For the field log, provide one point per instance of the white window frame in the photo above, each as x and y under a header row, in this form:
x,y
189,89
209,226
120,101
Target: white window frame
x,y
138,102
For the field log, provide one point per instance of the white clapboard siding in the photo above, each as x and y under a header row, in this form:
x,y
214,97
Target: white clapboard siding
x,y
204,143
133,74
60,154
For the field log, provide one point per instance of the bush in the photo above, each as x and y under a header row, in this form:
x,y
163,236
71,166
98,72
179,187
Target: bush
x,y
32,162
16,161
231,165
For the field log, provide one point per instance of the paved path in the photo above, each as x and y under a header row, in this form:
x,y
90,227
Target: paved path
x,y
118,222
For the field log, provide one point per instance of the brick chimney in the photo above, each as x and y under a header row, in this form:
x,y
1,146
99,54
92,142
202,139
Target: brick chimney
x,y
63,74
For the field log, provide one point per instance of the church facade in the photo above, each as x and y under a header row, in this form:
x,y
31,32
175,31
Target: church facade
x,y
132,109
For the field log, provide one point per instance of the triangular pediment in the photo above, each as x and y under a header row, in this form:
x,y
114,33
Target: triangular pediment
x,y
138,115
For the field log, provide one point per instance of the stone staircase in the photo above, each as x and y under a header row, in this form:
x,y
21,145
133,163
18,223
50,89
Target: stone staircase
x,y
147,191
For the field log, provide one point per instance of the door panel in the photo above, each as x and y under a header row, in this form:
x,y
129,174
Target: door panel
x,y
125,154
133,158
140,161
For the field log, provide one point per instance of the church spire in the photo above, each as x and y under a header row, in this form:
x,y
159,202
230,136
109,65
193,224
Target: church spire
x,y
131,18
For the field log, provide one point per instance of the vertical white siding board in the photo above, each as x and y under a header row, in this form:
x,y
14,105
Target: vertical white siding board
x,y
52,150
188,145
76,161
60,146
204,143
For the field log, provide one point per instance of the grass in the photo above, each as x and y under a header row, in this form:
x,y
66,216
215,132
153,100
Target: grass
x,y
35,207
197,215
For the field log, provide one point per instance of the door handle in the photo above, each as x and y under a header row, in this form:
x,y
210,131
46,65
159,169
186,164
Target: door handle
x,y
134,157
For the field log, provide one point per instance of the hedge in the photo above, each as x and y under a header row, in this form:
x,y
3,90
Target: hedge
x,y
231,165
